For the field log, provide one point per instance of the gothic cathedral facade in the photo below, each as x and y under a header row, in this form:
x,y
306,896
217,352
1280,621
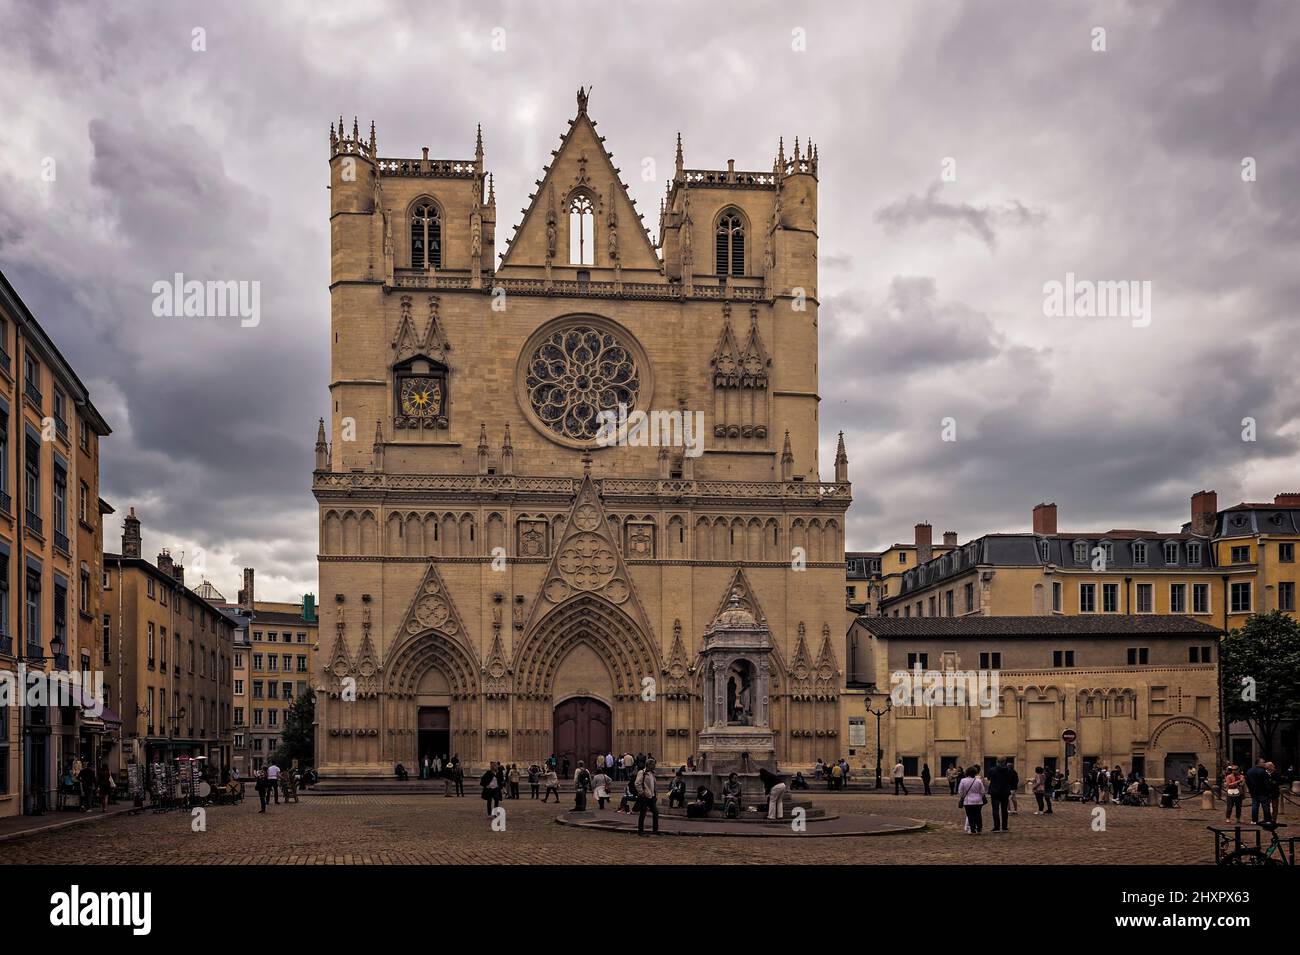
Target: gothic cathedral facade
x,y
506,570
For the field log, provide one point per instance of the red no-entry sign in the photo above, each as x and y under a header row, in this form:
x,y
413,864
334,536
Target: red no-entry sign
x,y
1069,736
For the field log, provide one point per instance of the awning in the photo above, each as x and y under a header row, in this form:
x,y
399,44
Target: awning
x,y
103,720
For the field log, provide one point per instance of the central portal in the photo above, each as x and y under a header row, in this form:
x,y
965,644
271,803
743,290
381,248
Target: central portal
x,y
583,730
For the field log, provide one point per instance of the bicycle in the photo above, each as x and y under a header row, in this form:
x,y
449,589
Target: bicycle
x,y
1280,851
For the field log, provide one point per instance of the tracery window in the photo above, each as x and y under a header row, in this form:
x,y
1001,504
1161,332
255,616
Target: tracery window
x,y
582,230
426,237
729,245
575,373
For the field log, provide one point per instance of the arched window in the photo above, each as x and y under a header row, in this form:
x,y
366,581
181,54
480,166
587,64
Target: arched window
x,y
582,230
426,237
730,244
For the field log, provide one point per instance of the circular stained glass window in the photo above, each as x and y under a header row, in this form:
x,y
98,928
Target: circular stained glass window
x,y
575,371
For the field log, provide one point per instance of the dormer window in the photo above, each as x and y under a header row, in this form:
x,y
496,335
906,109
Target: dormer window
x,y
1044,551
1171,552
426,236
1139,552
1080,552
1193,552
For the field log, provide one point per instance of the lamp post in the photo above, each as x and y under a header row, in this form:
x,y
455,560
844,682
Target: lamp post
x,y
889,705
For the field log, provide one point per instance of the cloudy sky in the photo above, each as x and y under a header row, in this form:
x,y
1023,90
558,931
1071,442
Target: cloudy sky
x,y
970,153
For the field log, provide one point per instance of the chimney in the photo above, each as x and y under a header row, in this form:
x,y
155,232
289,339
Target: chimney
x,y
165,563
949,538
178,573
924,543
131,535
1287,499
246,594
1045,519
1205,509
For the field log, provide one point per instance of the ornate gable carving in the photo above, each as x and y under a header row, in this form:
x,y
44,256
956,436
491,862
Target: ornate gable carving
x,y
740,380
496,668
432,342
677,668
340,661
726,360
367,666
582,162
587,561
739,586
828,668
431,609
802,669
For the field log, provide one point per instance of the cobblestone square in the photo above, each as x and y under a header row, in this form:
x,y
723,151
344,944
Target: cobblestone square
x,y
433,830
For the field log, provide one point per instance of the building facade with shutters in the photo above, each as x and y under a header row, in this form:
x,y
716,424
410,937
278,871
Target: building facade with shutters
x,y
50,561
504,572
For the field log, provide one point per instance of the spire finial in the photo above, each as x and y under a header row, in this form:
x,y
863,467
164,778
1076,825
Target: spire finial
x,y
372,138
679,153
478,142
356,129
492,191
584,94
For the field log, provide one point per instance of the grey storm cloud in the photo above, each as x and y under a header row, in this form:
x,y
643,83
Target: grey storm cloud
x,y
1116,165
982,221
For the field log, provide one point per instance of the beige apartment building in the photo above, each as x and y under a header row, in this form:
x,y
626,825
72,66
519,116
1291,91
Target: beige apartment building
x,y
50,560
1139,691
173,659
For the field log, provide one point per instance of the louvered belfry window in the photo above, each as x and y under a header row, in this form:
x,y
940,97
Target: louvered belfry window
x,y
730,248
426,237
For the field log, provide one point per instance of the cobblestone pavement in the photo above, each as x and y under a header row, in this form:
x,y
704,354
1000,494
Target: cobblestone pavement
x,y
359,830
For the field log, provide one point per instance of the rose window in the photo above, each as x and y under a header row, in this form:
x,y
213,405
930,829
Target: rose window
x,y
577,372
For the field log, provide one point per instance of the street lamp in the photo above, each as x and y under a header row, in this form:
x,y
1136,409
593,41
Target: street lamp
x,y
889,705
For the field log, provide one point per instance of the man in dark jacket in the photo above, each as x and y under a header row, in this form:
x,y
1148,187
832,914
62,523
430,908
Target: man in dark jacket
x,y
1258,783
1000,786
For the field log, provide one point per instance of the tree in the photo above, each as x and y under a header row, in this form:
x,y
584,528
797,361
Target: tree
x,y
298,738
1260,663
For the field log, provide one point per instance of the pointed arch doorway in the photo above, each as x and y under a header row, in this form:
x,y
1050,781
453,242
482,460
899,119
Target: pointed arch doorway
x,y
584,728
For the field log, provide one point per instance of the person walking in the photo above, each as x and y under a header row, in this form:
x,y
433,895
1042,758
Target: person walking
x,y
1040,785
514,781
1257,783
534,781
491,789
261,789
628,763
458,774
925,777
600,787
1015,785
900,787
953,775
646,797
552,784
999,793
1233,793
971,797
273,780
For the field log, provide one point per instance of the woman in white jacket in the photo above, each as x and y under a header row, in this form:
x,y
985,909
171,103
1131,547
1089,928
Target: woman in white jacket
x,y
971,796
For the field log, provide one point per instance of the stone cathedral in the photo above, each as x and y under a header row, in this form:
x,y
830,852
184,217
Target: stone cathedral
x,y
511,563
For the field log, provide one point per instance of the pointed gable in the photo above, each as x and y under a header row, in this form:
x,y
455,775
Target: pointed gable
x,y
410,342
581,165
726,357
431,608
739,586
587,560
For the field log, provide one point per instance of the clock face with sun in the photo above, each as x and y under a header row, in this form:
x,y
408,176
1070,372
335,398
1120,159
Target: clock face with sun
x,y
421,397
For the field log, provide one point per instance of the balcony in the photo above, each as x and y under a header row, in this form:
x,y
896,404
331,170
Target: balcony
x,y
34,522
61,427
61,543
5,360
34,394
35,653
6,645
6,502
61,662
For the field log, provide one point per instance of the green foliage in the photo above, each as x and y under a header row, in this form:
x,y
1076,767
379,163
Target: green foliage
x,y
1260,663
297,738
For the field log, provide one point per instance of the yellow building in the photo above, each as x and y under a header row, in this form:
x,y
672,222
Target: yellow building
x,y
1138,691
503,577
275,657
873,576
173,659
50,558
